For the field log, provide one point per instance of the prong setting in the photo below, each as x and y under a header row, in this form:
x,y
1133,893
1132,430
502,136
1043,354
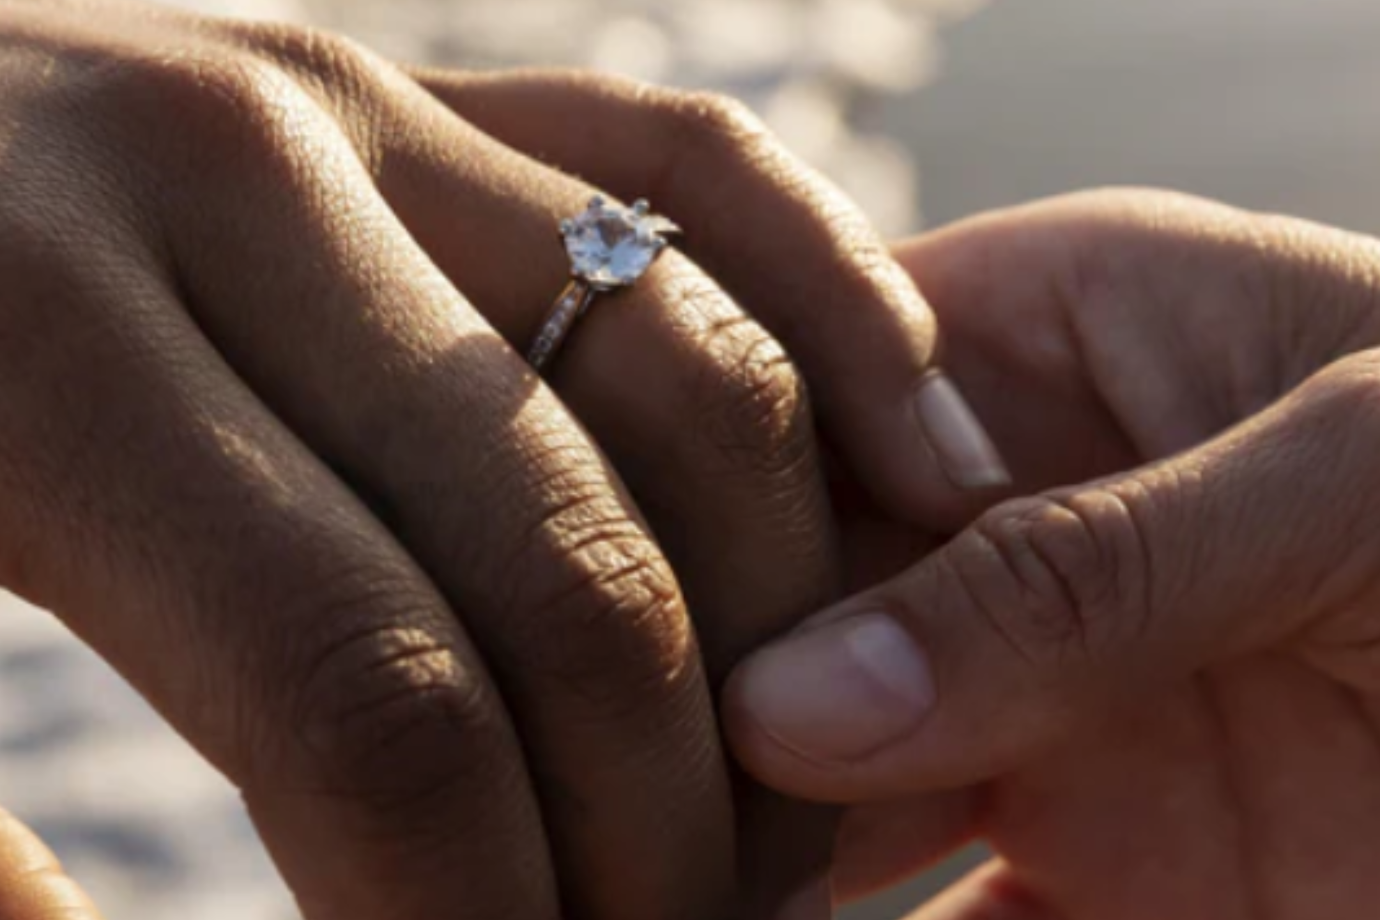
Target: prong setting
x,y
611,246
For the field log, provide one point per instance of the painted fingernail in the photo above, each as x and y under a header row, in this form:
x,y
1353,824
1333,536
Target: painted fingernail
x,y
839,692
813,902
960,443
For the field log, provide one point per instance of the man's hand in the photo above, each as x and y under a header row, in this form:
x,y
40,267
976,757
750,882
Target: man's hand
x,y
1156,684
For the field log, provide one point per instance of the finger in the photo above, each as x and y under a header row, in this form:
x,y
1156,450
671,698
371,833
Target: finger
x,y
1003,336
1069,304
795,252
350,332
178,528
991,892
1051,611
33,885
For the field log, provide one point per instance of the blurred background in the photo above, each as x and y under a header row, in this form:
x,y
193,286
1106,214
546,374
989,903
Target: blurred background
x,y
925,110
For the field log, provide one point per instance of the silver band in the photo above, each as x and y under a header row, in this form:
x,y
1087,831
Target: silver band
x,y
610,247
560,319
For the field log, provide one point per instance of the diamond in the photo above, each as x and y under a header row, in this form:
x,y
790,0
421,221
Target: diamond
x,y
611,246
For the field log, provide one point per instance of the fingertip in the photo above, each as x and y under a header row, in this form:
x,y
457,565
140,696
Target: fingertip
x,y
761,755
809,714
961,445
927,459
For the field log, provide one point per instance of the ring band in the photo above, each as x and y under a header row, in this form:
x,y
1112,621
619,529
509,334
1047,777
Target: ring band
x,y
560,319
610,247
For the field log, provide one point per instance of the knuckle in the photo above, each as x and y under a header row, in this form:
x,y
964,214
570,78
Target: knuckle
x,y
750,405
223,104
713,134
300,48
715,115
338,67
605,624
708,127
758,413
718,135
1059,579
359,87
384,710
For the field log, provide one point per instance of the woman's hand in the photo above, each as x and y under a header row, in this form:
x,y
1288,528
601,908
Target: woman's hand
x,y
266,444
1157,689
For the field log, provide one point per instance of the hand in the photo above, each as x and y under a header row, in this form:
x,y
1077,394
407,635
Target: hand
x,y
1154,686
267,448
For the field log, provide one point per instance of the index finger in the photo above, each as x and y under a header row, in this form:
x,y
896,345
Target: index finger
x,y
792,248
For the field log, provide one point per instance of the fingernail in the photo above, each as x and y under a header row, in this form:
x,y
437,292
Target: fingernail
x,y
960,443
813,902
841,691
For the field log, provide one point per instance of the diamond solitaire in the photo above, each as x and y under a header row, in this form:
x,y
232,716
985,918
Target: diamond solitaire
x,y
611,246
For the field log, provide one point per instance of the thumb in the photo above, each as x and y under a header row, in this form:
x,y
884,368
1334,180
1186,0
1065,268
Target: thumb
x,y
1049,610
